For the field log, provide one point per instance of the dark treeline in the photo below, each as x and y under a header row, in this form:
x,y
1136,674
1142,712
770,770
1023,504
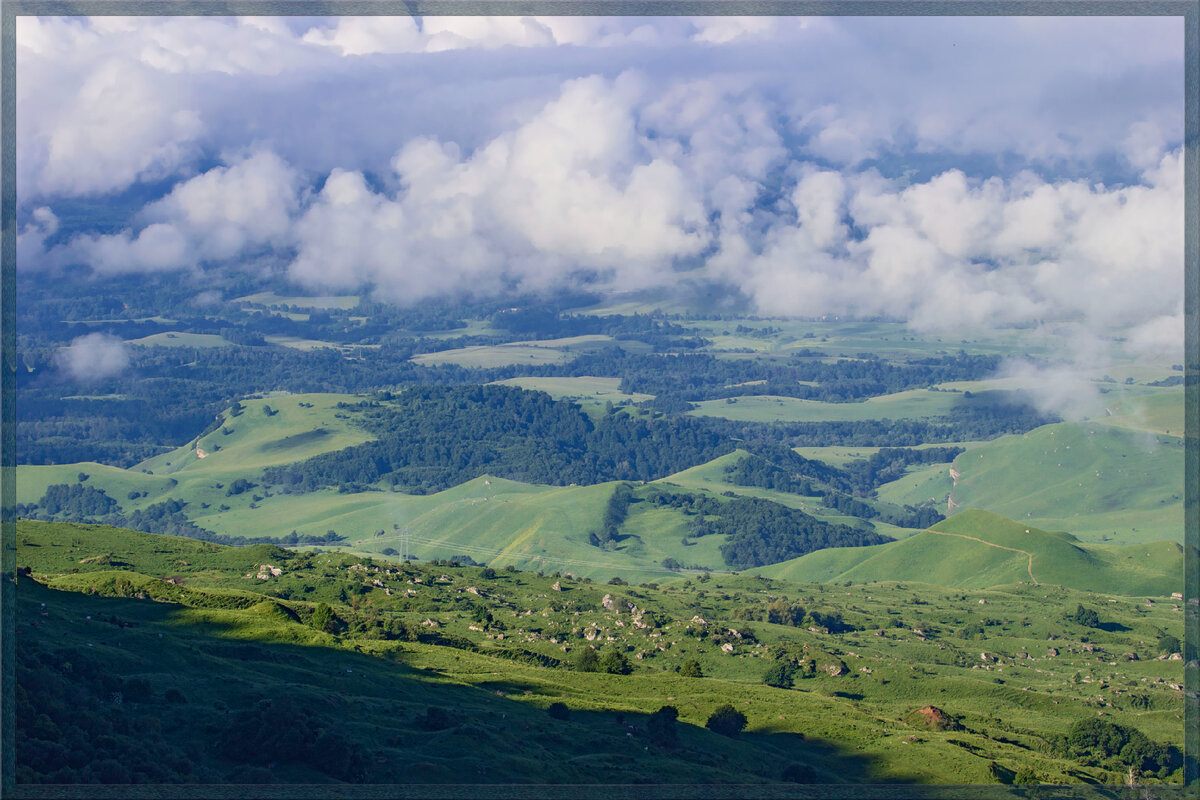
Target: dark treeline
x,y
699,376
780,468
79,503
505,432
759,531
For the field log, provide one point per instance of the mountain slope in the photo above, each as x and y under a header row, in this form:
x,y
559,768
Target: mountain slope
x,y
976,549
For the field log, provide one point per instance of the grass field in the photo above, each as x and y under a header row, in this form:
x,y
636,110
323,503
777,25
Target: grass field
x,y
578,388
343,302
912,404
547,351
180,339
1160,413
977,549
1013,671
1093,480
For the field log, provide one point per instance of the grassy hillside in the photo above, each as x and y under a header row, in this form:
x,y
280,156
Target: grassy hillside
x,y
1098,482
976,549
912,404
204,652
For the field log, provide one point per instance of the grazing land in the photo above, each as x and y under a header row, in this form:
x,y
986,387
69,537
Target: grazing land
x,y
414,660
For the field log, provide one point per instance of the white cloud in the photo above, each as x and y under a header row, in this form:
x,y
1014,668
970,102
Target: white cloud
x,y
31,240
94,357
219,215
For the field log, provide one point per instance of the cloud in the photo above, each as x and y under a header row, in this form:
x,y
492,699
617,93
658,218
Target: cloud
x,y
94,357
1065,390
575,187
225,213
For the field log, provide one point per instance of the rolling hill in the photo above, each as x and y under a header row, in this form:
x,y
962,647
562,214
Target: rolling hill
x,y
977,549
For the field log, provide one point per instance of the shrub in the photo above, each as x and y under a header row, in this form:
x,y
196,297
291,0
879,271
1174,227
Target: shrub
x,y
615,663
799,773
727,721
691,669
435,718
559,711
323,619
488,573
780,675
661,726
587,660
1169,644
1086,617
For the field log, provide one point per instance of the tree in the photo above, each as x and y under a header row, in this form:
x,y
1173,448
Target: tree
x,y
780,675
559,711
691,669
1086,617
1168,644
323,619
661,726
587,660
614,662
727,721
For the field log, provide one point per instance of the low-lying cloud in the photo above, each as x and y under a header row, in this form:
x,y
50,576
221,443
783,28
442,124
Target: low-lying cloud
x,y
94,357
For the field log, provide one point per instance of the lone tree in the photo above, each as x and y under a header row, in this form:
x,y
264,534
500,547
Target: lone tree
x,y
1086,617
323,619
727,721
661,726
691,669
781,675
614,662
587,660
1169,644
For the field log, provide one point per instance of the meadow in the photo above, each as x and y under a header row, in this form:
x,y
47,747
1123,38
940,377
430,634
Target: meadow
x,y
1006,670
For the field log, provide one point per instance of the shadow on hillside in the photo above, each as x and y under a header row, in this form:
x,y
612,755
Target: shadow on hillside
x,y
258,711
1113,627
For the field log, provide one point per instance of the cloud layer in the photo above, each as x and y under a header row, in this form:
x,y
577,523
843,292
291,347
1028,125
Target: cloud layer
x,y
949,172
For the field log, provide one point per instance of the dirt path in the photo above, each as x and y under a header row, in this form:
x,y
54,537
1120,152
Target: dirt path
x,y
1002,547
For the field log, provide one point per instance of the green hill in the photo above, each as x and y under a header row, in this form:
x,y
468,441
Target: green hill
x,y
436,673
1100,482
977,549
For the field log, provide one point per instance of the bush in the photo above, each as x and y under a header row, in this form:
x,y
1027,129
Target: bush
x,y
614,662
559,711
323,619
799,773
1086,617
691,669
727,721
661,726
435,718
1169,644
780,675
587,660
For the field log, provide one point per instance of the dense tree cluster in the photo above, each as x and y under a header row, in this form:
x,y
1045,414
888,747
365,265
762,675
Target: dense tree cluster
x,y
700,376
506,432
1099,742
759,532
